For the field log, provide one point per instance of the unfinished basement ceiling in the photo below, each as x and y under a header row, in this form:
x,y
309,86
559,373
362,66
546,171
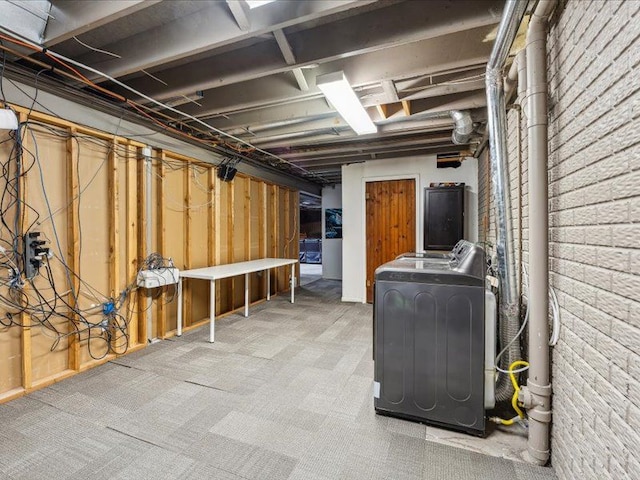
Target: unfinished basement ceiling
x,y
251,72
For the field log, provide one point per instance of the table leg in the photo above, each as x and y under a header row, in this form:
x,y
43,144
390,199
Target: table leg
x,y
246,294
179,332
268,284
293,281
212,311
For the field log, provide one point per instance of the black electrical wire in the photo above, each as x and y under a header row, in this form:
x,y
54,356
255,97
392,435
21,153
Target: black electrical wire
x,y
43,303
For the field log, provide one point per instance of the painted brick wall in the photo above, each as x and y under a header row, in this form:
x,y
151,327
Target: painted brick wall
x,y
594,182
594,202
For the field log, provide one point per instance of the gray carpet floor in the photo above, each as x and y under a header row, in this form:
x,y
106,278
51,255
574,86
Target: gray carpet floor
x,y
283,394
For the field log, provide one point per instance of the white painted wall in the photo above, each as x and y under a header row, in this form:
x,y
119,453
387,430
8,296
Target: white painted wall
x,y
331,247
424,170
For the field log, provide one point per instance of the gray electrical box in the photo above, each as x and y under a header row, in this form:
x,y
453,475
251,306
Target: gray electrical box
x,y
429,339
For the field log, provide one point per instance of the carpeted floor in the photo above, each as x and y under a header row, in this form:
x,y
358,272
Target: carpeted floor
x,y
283,394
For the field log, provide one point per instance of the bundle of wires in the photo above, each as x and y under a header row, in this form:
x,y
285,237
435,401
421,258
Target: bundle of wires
x,y
39,300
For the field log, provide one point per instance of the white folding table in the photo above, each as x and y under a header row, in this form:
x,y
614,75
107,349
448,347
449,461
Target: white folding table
x,y
232,270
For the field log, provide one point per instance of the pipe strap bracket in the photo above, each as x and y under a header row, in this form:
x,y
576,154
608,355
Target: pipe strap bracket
x,y
539,89
539,414
539,390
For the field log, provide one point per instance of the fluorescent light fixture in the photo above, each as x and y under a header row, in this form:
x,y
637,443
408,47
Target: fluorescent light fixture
x,y
8,119
258,3
338,91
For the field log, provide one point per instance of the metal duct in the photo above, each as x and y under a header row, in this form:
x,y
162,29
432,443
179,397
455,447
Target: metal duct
x,y
509,300
463,128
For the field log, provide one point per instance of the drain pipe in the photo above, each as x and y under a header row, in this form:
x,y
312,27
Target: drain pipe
x,y
509,300
536,395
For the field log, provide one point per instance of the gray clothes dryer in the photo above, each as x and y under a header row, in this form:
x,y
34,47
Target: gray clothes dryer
x,y
429,338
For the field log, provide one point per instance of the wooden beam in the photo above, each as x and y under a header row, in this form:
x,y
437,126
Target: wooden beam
x,y
73,243
132,232
406,106
382,110
161,241
142,242
59,122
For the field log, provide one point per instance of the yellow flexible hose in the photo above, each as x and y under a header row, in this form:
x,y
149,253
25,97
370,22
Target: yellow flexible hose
x,y
516,387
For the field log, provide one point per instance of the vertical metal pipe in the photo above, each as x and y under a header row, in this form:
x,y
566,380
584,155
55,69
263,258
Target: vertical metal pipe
x,y
537,394
509,301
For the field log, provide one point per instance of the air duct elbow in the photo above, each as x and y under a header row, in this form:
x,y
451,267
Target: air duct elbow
x,y
463,127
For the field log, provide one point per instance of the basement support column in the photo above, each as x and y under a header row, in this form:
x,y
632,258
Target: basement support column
x,y
536,395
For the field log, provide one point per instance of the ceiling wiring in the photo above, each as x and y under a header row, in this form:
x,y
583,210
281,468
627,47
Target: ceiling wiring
x,y
71,65
99,50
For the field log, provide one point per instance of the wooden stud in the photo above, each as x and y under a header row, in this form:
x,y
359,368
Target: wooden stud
x,y
247,218
161,241
274,234
186,288
114,227
73,242
211,219
211,216
230,224
295,199
142,243
25,336
114,217
287,235
217,259
287,225
262,230
132,233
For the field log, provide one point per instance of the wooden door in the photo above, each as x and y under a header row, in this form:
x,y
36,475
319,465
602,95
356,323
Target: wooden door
x,y
390,223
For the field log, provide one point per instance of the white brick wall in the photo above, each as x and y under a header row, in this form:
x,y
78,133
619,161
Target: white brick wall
x,y
594,223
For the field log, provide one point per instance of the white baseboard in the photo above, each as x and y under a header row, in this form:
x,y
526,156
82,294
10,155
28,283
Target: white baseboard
x,y
352,300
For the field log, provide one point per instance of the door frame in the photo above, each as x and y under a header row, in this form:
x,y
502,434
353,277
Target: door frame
x,y
416,179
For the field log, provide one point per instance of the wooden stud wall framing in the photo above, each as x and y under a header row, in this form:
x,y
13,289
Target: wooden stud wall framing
x,y
210,221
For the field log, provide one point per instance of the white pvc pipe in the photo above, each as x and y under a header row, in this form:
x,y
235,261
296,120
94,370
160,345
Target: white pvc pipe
x,y
537,393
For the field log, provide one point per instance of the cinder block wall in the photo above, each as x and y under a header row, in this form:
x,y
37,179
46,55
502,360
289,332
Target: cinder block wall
x,y
594,223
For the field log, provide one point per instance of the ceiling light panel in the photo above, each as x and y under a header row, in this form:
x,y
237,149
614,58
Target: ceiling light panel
x,y
338,91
